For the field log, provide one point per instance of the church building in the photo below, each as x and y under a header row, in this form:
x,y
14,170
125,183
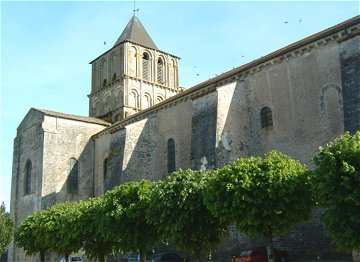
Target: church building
x,y
143,125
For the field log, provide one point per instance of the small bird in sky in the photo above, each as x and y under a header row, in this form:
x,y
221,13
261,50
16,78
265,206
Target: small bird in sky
x,y
286,22
300,20
104,43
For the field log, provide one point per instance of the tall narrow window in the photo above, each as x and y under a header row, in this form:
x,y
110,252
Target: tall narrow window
x,y
73,179
171,155
147,102
105,168
28,178
266,117
134,99
146,66
174,74
160,71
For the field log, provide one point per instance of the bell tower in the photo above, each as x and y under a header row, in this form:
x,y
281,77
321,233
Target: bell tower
x,y
133,75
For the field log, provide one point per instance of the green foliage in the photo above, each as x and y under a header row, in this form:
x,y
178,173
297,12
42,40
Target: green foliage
x,y
31,234
337,187
178,212
128,204
63,233
262,196
54,229
97,228
6,229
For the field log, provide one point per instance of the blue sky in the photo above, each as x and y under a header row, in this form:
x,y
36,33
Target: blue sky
x,y
46,46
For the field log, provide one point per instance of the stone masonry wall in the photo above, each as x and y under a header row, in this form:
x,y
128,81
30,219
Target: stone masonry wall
x,y
65,139
139,150
49,142
28,146
304,93
203,134
305,96
350,69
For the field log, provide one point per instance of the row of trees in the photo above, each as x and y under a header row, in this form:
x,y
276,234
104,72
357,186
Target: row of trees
x,y
263,196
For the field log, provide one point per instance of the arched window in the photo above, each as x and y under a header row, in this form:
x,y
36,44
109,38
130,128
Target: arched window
x,y
28,178
160,71
147,102
146,66
159,99
171,155
266,117
134,99
73,178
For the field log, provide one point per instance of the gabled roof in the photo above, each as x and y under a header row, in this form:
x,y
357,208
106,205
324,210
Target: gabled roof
x,y
135,32
72,117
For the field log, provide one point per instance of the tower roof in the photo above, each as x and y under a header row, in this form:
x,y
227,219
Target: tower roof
x,y
135,32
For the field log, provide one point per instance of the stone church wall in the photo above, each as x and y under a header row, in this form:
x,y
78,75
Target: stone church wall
x,y
305,96
139,150
28,145
65,139
106,99
49,142
350,68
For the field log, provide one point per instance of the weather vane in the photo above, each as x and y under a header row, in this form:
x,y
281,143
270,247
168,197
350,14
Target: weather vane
x,y
135,9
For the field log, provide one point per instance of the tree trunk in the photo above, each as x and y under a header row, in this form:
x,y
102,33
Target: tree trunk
x,y
143,256
67,258
200,256
101,258
270,248
42,256
356,255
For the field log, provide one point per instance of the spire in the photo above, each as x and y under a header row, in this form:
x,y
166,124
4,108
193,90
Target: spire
x,y
135,32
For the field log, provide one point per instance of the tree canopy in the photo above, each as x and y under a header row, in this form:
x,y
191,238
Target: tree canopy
x,y
6,229
179,215
98,233
54,229
129,203
32,234
263,196
337,187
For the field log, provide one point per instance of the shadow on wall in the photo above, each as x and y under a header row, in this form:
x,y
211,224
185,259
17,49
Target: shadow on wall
x,y
78,184
243,131
134,154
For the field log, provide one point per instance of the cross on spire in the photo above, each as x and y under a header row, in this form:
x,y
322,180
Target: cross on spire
x,y
135,9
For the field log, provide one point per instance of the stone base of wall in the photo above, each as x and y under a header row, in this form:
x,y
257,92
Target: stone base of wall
x,y
356,256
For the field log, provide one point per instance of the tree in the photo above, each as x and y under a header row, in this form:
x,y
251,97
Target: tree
x,y
337,183
6,229
30,234
264,197
129,203
54,229
62,228
99,233
178,212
